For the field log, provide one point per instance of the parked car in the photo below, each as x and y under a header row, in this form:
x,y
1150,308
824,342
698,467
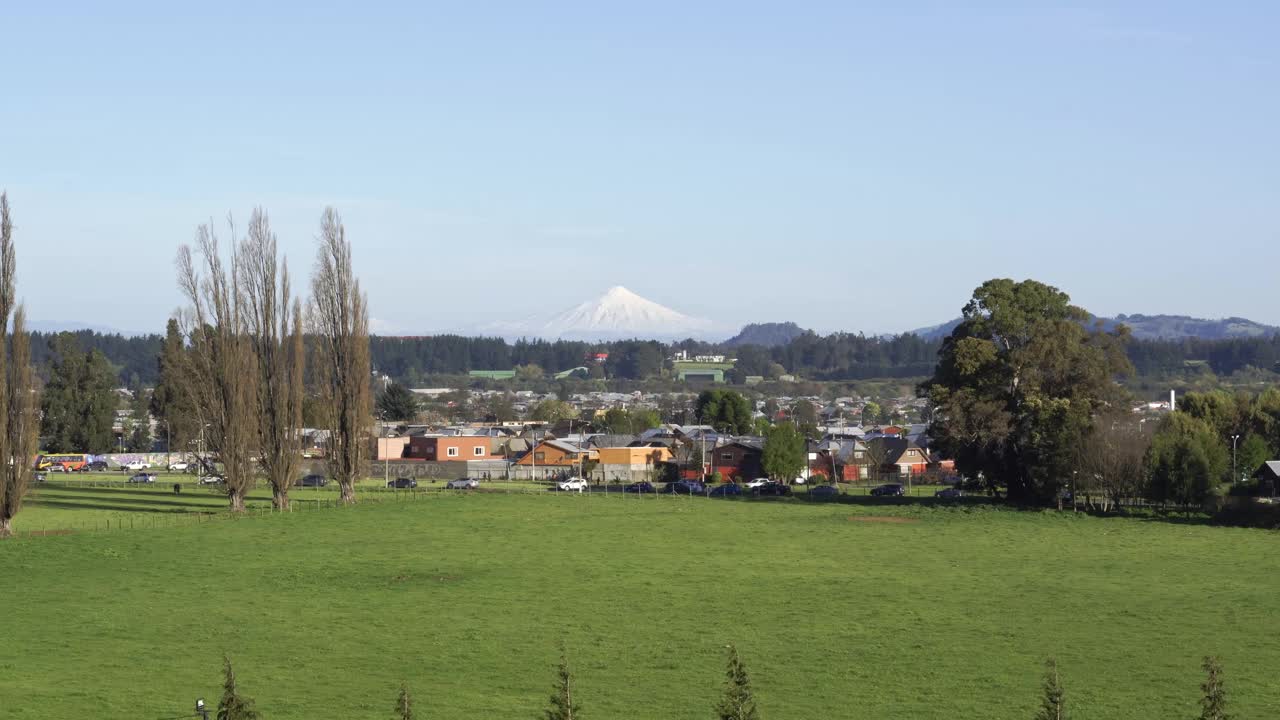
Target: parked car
x,y
573,484
57,467
758,482
889,490
95,466
640,487
726,490
402,483
179,467
313,480
462,484
211,480
39,477
951,493
135,466
772,489
824,491
142,478
684,487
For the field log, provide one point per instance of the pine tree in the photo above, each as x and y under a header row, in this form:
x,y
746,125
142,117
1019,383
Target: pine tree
x,y
738,702
234,706
1214,689
562,707
140,440
1054,705
404,704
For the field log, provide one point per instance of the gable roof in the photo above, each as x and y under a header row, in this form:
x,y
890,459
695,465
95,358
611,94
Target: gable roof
x,y
1271,466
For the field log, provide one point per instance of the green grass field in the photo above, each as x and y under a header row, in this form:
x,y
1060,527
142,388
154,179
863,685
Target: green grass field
x,y
841,611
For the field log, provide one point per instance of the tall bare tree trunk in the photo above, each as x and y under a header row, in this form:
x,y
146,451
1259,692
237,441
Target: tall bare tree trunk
x,y
276,332
19,420
340,319
221,363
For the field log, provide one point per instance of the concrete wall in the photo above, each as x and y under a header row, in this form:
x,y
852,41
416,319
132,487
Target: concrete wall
x,y
442,471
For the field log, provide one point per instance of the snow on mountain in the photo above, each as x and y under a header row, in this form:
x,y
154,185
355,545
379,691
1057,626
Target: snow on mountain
x,y
615,315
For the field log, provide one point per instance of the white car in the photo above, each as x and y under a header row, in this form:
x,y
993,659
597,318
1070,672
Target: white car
x,y
211,480
758,482
136,466
179,467
572,484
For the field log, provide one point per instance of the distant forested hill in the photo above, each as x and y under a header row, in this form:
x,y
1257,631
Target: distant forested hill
x,y
1156,327
766,334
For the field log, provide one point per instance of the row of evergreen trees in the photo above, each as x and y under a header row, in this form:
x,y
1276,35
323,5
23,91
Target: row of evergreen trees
x,y
737,700
838,356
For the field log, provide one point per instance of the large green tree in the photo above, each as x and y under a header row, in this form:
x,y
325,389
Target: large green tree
x,y
553,411
138,436
79,405
1185,462
1017,385
172,401
724,410
784,455
398,402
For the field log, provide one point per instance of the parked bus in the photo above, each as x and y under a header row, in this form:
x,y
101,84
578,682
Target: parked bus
x,y
70,461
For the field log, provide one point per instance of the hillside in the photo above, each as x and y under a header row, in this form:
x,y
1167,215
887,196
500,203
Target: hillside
x,y
1155,327
766,334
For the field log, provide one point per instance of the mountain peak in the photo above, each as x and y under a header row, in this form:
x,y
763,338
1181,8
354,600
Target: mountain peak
x,y
616,314
618,293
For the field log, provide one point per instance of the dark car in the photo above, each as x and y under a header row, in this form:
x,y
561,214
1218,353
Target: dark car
x,y
640,487
824,491
890,490
313,481
142,478
726,490
462,484
951,493
95,466
684,487
773,489
401,483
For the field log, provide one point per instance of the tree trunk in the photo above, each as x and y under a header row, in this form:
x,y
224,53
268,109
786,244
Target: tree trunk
x,y
348,492
6,527
237,501
280,498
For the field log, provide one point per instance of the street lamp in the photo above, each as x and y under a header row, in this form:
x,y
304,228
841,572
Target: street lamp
x,y
1235,437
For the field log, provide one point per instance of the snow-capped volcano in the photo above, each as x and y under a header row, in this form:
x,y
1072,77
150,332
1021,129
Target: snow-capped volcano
x,y
617,314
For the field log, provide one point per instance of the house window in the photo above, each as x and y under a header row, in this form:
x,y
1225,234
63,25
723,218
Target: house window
x,y
539,456
726,456
451,452
478,451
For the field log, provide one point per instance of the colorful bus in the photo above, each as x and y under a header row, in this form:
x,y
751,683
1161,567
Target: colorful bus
x,y
70,461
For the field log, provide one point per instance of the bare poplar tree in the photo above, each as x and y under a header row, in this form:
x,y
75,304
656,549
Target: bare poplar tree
x,y
220,367
340,321
275,331
1111,461
18,401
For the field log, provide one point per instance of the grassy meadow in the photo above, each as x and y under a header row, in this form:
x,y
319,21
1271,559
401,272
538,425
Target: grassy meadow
x,y
840,610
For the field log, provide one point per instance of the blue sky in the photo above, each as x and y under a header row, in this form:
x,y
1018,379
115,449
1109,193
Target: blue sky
x,y
845,165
